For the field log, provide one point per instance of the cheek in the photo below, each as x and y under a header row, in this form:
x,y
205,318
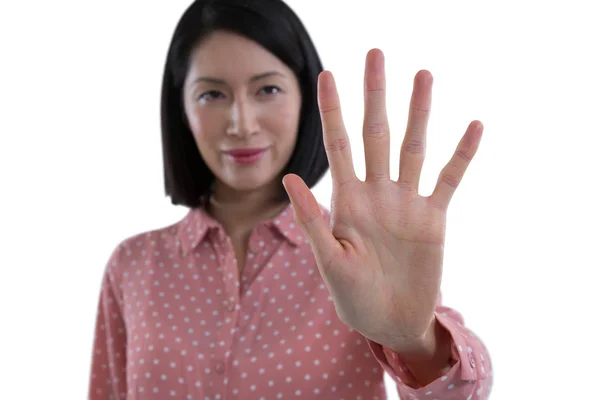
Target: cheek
x,y
198,124
204,129
286,126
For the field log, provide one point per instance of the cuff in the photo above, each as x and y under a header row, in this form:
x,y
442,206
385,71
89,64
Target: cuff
x,y
462,356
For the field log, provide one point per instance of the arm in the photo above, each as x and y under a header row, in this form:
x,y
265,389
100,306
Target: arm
x,y
108,371
428,371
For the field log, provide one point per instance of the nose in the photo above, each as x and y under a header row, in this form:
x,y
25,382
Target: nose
x,y
242,120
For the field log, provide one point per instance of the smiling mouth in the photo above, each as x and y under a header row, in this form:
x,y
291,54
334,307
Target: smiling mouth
x,y
245,156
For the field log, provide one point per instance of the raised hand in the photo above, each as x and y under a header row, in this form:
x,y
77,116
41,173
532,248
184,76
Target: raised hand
x,y
382,256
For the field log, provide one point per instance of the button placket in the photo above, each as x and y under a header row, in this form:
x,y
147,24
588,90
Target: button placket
x,y
225,256
229,269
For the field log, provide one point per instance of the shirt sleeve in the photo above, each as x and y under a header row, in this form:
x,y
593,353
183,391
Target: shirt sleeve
x,y
469,374
108,372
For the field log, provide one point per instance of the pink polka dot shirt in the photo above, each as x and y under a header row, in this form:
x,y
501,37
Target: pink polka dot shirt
x,y
176,320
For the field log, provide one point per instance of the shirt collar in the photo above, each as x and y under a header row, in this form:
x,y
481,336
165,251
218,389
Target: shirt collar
x,y
285,224
198,223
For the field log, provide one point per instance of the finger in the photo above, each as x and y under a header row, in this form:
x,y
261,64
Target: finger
x,y
376,131
453,172
412,153
308,216
335,137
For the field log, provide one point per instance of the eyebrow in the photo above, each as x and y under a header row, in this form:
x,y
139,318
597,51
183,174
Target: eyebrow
x,y
253,79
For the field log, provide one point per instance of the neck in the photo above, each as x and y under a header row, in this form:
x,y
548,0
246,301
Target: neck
x,y
242,210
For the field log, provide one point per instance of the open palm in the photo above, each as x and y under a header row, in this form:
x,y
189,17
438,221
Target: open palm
x,y
382,256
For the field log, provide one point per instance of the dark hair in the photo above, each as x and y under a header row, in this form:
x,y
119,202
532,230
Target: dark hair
x,y
273,25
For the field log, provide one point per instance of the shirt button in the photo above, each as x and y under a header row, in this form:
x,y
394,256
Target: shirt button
x,y
471,360
220,368
231,307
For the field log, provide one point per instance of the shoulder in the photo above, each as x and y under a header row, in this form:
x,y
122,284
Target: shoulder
x,y
143,247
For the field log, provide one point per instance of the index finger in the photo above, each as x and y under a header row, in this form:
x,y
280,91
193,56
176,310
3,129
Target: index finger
x,y
337,144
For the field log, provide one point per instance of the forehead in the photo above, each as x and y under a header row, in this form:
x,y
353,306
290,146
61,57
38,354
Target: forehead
x,y
232,57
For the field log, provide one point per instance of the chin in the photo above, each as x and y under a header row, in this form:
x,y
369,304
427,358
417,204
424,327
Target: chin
x,y
248,184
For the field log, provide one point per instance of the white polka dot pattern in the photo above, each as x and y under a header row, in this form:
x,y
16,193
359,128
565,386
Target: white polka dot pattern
x,y
177,321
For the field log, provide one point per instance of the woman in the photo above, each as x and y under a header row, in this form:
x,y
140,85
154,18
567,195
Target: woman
x,y
252,295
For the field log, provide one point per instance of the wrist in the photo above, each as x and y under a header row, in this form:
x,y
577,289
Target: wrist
x,y
429,357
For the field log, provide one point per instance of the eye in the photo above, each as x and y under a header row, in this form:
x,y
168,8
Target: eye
x,y
269,90
210,95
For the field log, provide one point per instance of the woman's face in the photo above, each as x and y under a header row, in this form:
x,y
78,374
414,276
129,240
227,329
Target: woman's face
x,y
243,107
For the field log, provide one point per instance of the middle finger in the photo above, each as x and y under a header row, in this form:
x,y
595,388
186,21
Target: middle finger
x,y
376,132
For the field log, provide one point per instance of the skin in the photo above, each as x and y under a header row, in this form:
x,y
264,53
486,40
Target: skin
x,y
239,95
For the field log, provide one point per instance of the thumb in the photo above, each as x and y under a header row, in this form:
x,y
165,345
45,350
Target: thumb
x,y
308,216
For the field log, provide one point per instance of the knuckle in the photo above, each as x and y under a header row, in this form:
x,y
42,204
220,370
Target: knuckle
x,y
450,180
463,155
414,146
376,129
419,110
337,145
330,108
376,91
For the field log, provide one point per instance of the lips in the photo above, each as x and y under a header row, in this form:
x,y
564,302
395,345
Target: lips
x,y
245,156
244,152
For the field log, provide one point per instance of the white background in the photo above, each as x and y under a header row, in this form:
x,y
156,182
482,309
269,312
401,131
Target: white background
x,y
81,169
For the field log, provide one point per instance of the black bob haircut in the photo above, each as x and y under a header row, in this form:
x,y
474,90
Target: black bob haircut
x,y
273,25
